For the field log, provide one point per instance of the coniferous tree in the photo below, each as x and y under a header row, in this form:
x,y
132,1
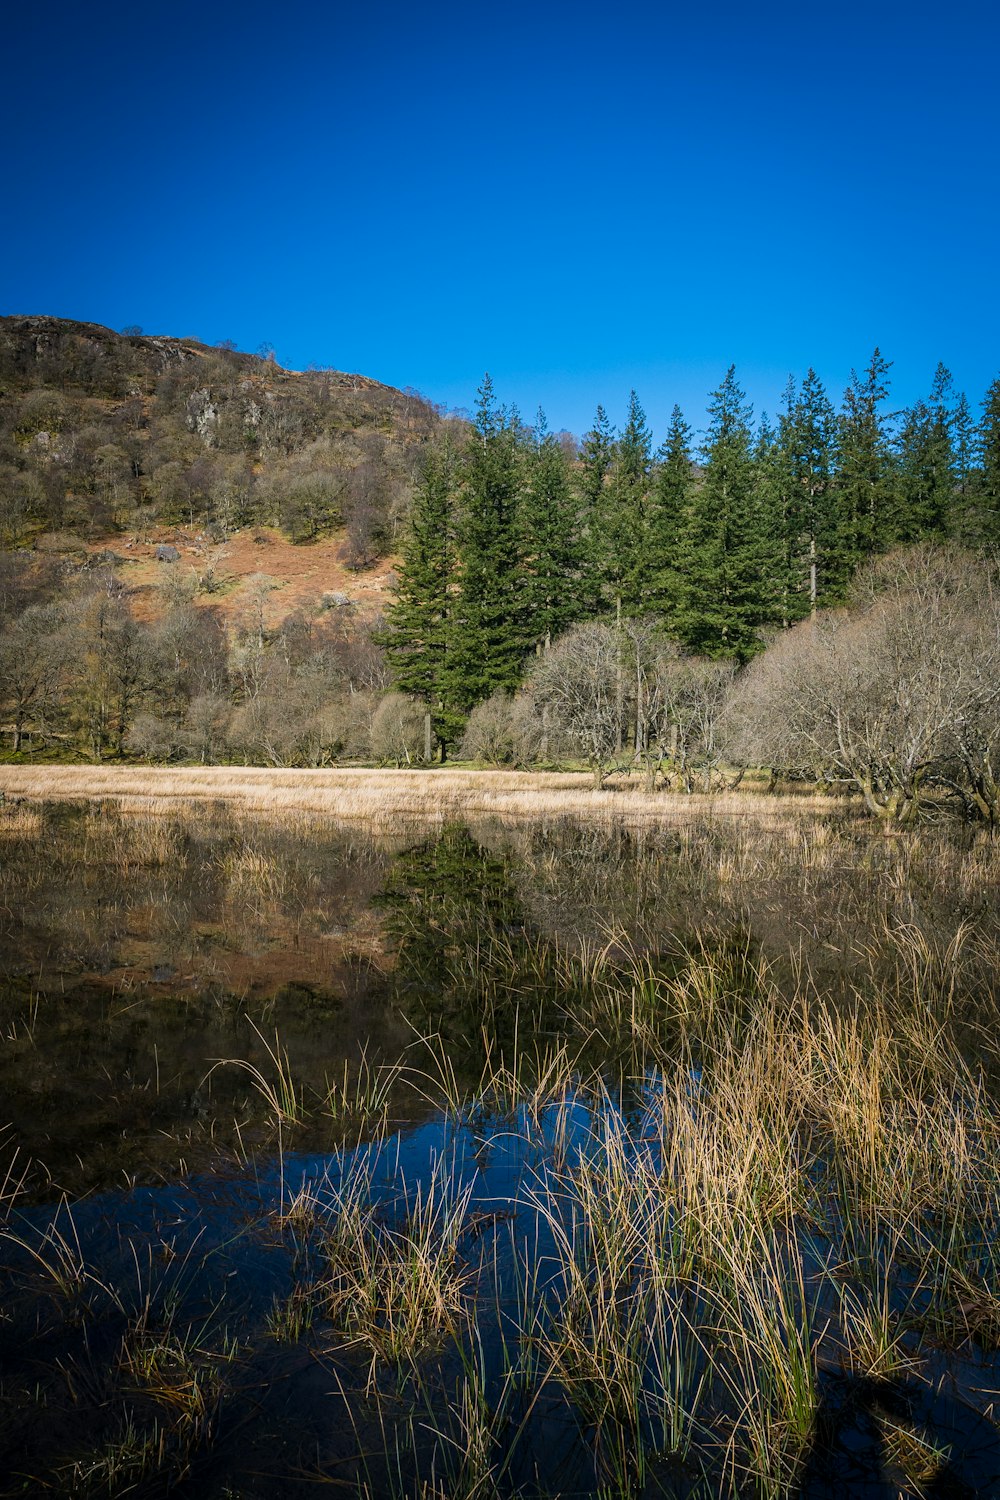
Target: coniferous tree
x,y
963,510
488,642
865,473
809,439
595,459
596,452
550,543
416,634
773,486
964,446
672,489
620,518
927,464
723,556
987,483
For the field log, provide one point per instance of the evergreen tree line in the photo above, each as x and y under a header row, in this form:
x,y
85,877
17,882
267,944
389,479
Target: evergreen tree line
x,y
512,539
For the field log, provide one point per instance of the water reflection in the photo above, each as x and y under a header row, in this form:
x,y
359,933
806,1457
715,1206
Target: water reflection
x,y
217,1032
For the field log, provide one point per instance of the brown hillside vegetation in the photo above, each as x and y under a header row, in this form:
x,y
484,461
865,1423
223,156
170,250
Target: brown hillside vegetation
x,y
103,434
293,578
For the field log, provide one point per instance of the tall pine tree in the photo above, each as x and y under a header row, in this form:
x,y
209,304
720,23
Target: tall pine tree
x,y
489,638
416,634
926,464
814,539
724,551
619,520
550,541
596,453
987,480
774,490
865,500
672,489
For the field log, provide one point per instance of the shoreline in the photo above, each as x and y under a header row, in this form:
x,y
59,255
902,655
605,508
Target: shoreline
x,y
359,793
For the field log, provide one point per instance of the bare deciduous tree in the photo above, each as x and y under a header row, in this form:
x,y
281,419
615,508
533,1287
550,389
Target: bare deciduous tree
x,y
897,694
397,732
505,730
577,684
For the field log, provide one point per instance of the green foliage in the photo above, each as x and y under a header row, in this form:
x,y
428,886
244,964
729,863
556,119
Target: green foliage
x,y
418,624
813,541
725,594
550,542
621,516
864,477
673,486
927,464
981,512
506,544
490,638
595,459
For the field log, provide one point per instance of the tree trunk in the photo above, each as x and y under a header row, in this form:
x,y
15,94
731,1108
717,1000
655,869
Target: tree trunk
x,y
619,681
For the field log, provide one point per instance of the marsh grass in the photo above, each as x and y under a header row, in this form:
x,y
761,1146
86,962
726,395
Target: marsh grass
x,y
180,1375
278,1087
385,798
729,1175
916,1454
116,1468
291,1318
54,1255
391,1276
15,1173
364,1091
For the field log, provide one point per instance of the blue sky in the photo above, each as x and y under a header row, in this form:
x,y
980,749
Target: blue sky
x,y
579,199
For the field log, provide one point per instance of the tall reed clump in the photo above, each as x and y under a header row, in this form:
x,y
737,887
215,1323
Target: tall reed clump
x,y
283,1095
393,1279
800,1185
676,1281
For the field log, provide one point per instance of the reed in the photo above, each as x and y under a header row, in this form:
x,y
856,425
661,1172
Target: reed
x,y
734,1174
364,1091
393,1280
55,1255
284,1097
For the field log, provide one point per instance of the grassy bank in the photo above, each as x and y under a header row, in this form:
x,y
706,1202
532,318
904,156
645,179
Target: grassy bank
x,y
377,796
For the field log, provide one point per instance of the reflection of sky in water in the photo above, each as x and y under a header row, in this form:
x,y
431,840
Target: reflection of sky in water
x,y
211,1246
121,993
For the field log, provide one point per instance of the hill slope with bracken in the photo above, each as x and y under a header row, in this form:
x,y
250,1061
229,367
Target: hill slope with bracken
x,y
105,436
195,546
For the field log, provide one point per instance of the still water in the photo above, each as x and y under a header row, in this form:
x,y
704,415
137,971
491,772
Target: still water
x,y
334,1159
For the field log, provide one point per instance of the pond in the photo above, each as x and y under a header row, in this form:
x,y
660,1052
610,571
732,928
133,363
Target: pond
x,y
476,1160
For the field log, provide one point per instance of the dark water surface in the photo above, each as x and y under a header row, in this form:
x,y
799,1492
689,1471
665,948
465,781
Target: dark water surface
x,y
215,1031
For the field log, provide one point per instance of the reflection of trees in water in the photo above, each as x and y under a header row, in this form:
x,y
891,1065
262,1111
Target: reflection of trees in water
x,y
484,936
468,961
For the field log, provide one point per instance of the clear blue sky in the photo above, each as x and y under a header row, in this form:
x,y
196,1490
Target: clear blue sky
x,y
579,198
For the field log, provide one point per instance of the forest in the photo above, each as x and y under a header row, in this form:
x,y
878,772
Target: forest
x,y
812,595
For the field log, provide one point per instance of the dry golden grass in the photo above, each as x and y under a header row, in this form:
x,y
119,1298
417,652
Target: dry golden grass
x,y
386,796
19,821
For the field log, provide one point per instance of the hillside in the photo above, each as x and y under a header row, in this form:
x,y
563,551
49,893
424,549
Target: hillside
x,y
195,546
225,577
105,434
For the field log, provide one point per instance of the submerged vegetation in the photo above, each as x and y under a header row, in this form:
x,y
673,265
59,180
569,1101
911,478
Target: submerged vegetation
x,y
671,1165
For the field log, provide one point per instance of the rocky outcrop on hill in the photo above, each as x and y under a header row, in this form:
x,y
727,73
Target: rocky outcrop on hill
x,y
102,432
